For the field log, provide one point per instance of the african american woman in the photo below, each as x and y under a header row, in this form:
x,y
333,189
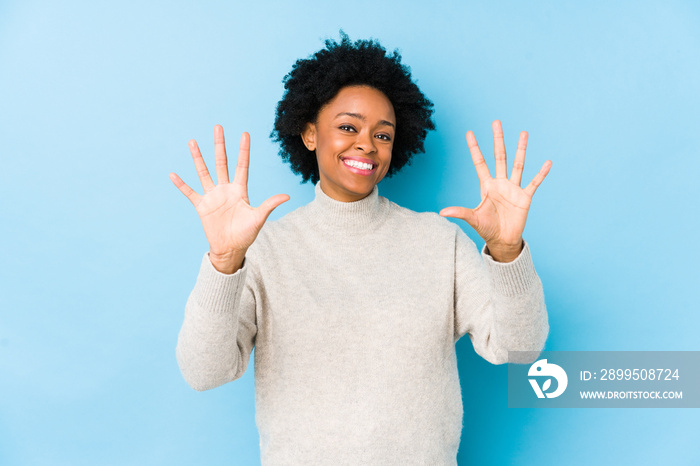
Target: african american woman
x,y
353,303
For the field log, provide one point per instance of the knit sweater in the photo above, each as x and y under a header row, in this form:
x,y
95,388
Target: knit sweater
x,y
354,309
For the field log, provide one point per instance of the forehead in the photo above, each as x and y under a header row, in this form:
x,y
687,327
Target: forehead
x,y
363,100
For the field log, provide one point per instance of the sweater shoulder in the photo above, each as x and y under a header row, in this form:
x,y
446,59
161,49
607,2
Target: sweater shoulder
x,y
289,225
294,220
431,221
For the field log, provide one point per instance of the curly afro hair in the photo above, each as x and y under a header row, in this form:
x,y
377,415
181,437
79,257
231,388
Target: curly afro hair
x,y
314,81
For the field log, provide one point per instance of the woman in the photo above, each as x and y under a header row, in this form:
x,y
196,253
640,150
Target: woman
x,y
353,303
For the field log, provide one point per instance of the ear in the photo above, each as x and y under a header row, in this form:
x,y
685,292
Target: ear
x,y
308,135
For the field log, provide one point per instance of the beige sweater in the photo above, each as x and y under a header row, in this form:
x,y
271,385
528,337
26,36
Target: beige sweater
x,y
354,310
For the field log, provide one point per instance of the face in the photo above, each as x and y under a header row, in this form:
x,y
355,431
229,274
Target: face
x,y
353,137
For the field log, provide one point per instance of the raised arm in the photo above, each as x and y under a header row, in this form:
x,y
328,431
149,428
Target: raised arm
x,y
219,328
499,300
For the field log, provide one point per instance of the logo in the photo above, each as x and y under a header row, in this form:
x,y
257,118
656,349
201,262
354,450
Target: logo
x,y
542,368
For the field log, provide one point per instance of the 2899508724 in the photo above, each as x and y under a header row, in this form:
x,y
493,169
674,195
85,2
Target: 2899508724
x,y
632,374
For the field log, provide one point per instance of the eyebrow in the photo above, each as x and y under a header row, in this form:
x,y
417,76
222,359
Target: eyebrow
x,y
361,117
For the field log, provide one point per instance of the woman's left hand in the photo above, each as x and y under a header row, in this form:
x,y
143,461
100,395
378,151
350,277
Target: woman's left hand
x,y
500,217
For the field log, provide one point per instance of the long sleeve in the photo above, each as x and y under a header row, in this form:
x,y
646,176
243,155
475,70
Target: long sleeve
x,y
219,328
499,305
351,308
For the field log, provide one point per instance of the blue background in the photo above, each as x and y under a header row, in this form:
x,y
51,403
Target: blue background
x,y
100,251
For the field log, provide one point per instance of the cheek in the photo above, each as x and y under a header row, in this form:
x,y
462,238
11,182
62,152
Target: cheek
x,y
386,163
332,147
387,155
341,144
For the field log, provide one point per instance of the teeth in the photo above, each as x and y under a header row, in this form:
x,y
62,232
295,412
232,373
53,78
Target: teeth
x,y
356,164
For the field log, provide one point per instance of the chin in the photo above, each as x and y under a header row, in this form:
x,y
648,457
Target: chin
x,y
360,187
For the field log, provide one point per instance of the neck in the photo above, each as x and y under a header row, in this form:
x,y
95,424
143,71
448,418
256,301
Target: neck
x,y
342,196
337,216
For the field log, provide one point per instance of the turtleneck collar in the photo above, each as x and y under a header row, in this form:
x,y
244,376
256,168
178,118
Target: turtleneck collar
x,y
357,216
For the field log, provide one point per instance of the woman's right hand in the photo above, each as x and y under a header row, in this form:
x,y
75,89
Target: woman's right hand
x,y
230,223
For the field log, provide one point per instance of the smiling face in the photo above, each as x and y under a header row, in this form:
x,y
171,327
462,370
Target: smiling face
x,y
353,137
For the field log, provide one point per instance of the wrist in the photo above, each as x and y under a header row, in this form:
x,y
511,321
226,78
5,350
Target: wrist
x,y
504,252
227,263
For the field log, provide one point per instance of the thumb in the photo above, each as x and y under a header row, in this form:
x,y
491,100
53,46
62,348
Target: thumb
x,y
465,214
272,203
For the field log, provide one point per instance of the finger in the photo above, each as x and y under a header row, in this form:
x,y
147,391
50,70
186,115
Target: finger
x,y
537,180
499,149
241,175
186,190
482,170
460,212
220,155
201,167
519,162
272,203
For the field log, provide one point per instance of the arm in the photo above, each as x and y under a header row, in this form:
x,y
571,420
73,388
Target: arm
x,y
218,332
499,302
219,329
499,305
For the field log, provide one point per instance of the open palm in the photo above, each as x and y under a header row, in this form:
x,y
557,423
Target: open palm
x,y
230,223
500,217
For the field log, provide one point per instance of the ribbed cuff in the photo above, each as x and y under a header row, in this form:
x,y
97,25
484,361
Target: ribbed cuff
x,y
218,291
512,278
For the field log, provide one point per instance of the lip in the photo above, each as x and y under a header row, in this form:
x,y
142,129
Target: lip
x,y
360,171
361,159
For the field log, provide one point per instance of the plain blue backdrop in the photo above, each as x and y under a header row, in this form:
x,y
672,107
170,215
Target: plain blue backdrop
x,y
100,251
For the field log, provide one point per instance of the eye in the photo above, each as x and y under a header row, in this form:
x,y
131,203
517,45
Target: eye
x,y
346,128
384,137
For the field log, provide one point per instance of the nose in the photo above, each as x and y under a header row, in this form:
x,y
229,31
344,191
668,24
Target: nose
x,y
364,142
